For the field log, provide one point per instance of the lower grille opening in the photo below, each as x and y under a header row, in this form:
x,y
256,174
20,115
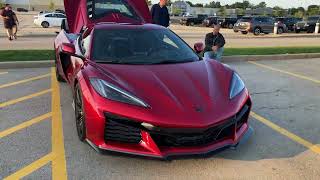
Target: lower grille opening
x,y
120,132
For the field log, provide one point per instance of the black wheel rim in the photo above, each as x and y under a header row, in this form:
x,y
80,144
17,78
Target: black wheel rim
x,y
79,115
257,31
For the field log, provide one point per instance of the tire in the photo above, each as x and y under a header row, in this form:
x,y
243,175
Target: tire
x,y
230,26
297,31
280,31
244,32
58,76
45,24
192,24
235,31
79,114
257,31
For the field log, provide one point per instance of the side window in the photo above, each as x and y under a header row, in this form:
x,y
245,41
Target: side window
x,y
60,16
49,15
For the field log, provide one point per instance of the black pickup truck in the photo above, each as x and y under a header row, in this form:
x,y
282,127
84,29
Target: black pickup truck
x,y
190,21
227,22
308,25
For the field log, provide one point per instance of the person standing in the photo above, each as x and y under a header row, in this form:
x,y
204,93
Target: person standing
x,y
160,14
214,44
10,22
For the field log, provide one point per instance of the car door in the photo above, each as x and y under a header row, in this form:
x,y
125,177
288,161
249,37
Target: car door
x,y
59,18
268,24
50,19
89,12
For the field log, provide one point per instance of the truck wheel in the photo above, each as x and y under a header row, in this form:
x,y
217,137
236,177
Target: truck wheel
x,y
280,31
257,31
45,24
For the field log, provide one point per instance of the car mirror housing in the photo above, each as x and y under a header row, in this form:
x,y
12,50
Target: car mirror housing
x,y
198,47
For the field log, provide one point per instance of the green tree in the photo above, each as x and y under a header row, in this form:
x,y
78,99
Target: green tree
x,y
213,5
261,5
313,10
52,6
240,11
176,11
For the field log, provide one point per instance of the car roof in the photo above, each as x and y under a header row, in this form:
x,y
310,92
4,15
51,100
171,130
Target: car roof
x,y
110,25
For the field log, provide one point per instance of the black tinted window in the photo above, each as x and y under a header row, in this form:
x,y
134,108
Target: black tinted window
x,y
245,20
49,15
140,46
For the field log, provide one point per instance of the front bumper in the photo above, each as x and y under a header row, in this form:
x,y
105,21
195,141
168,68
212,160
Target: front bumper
x,y
160,143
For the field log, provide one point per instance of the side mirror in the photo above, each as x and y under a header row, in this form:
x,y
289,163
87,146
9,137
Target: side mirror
x,y
68,48
198,47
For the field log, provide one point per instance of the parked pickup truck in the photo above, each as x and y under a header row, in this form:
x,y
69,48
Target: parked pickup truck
x,y
309,25
227,22
190,21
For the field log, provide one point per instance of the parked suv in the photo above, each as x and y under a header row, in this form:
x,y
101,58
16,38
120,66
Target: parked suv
x,y
309,25
258,25
210,21
190,21
227,22
288,21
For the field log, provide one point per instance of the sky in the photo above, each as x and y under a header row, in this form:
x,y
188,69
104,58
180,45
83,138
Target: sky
x,y
271,3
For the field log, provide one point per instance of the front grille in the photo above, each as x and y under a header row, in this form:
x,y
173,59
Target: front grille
x,y
119,130
182,137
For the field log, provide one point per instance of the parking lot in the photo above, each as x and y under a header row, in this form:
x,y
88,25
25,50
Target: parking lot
x,y
38,137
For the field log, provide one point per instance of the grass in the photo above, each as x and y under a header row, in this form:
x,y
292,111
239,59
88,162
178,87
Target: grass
x,y
26,55
270,51
38,55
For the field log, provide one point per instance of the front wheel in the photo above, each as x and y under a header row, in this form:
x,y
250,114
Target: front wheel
x,y
79,113
230,26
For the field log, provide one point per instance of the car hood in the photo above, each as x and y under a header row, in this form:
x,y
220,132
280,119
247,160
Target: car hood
x,y
78,15
178,93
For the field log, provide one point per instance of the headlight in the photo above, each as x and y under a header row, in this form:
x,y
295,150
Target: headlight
x,y
114,93
237,86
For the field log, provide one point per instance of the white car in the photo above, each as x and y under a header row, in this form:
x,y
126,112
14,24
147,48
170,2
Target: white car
x,y
49,20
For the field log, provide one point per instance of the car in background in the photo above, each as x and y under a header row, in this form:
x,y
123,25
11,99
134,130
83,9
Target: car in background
x,y
308,25
210,21
258,25
288,21
191,21
47,20
22,10
227,22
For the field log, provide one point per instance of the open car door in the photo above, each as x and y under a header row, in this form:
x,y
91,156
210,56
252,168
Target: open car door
x,y
89,12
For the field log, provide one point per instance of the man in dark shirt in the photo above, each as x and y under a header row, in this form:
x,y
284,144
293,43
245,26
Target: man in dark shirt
x,y
160,13
214,44
10,21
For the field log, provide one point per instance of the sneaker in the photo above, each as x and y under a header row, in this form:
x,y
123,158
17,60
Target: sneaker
x,y
15,36
10,39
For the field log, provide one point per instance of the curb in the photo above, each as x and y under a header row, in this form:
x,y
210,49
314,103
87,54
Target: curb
x,y
26,64
243,58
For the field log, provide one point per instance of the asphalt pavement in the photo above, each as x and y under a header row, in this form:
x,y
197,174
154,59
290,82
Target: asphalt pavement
x,y
39,39
38,138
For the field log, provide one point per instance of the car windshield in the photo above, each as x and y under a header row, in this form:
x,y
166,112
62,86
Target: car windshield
x,y
140,46
245,20
105,7
313,18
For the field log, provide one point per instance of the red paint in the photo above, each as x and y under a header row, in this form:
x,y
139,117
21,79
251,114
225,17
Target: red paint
x,y
171,90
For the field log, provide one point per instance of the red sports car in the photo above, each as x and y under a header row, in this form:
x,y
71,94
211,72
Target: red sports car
x,y
140,89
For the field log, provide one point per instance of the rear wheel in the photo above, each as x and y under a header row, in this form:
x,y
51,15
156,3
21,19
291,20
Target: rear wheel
x,y
192,23
79,113
230,26
257,31
280,31
45,24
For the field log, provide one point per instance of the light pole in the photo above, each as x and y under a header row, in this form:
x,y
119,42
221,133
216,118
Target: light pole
x,y
29,5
